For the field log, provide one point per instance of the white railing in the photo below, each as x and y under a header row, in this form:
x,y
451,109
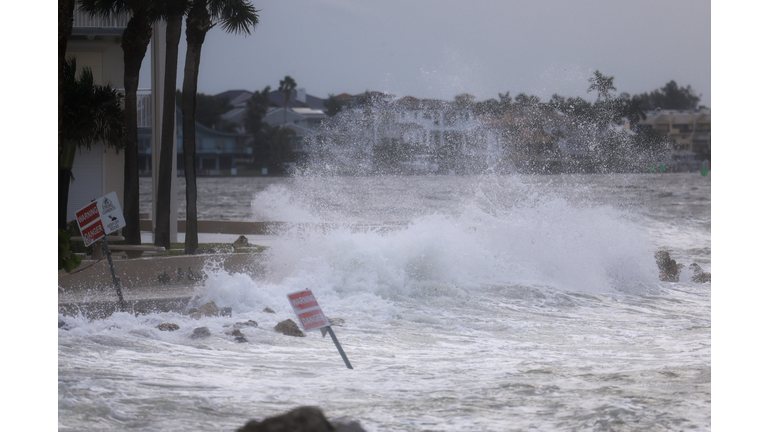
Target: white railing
x,y
143,107
83,19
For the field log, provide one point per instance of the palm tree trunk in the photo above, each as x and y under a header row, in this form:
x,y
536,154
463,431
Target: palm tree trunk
x,y
66,17
136,39
66,161
168,141
198,24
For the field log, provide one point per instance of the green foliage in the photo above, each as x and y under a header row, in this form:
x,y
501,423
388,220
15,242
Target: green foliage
x,y
256,108
91,112
209,109
602,84
670,97
287,86
333,105
67,259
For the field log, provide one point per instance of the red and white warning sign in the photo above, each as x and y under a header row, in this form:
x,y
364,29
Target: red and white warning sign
x,y
99,218
308,310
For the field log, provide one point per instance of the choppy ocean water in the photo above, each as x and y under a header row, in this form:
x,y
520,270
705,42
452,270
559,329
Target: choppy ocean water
x,y
484,302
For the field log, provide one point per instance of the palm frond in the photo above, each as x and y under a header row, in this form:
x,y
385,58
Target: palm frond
x,y
235,16
90,112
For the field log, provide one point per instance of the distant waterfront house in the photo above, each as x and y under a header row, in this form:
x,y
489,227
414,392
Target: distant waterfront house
x,y
690,131
215,151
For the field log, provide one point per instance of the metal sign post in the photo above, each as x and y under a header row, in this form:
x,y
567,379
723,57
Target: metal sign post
x,y
95,220
338,347
311,317
115,279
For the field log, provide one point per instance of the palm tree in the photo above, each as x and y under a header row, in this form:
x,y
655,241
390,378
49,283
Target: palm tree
x,y
235,16
287,86
174,13
602,84
90,113
66,19
135,41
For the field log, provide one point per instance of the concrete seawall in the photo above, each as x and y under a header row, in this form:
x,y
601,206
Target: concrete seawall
x,y
147,284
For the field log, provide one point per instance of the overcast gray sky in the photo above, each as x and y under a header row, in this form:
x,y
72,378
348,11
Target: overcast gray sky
x,y
441,48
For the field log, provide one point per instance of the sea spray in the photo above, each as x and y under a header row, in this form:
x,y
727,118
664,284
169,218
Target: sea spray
x,y
502,233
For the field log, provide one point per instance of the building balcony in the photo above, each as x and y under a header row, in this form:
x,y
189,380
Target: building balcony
x,y
143,107
84,24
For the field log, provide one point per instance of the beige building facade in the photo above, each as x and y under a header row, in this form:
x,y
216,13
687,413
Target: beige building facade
x,y
691,132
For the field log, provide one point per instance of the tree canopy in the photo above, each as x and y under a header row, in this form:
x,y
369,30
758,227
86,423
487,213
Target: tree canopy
x,y
671,97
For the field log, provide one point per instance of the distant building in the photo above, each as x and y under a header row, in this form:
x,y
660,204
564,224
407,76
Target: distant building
x,y
690,131
95,43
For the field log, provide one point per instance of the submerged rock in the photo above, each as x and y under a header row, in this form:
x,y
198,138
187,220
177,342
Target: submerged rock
x,y
268,310
63,325
301,419
347,426
239,336
336,322
289,328
249,323
669,270
200,332
226,311
167,327
699,275
209,309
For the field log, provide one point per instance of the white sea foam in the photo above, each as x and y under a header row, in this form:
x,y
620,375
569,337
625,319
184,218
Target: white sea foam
x,y
493,304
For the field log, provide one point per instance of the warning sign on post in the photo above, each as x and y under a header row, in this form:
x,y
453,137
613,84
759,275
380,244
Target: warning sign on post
x,y
307,310
99,218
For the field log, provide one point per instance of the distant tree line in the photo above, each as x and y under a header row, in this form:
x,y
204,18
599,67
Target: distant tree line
x,y
536,130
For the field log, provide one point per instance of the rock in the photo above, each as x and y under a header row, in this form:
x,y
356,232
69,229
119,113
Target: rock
x,y
209,309
347,426
289,328
699,275
301,419
242,241
63,325
239,336
669,270
167,327
249,323
226,311
200,332
337,322
268,310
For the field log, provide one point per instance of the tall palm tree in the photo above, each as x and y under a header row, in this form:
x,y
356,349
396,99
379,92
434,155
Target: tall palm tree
x,y
235,16
135,40
90,113
287,86
66,19
174,13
